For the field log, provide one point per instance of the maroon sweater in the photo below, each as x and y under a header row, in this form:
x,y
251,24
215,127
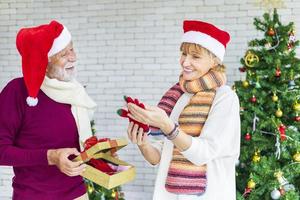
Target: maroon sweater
x,y
26,133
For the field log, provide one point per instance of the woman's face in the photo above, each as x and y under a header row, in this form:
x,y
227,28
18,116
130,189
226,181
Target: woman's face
x,y
195,61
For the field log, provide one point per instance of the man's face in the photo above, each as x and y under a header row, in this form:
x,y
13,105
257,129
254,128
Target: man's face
x,y
61,65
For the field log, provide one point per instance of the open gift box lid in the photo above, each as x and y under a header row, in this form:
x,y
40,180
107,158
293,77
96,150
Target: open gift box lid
x,y
104,150
109,146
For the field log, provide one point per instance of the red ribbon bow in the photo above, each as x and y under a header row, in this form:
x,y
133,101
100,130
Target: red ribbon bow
x,y
92,141
281,129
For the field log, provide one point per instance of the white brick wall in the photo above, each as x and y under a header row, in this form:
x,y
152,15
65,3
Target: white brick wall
x,y
128,47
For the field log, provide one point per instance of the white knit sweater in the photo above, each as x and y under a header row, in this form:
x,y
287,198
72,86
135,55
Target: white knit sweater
x,y
218,146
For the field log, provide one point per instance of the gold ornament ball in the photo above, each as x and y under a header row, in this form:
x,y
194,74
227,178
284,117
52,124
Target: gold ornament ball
x,y
296,107
279,113
297,157
275,98
245,84
251,184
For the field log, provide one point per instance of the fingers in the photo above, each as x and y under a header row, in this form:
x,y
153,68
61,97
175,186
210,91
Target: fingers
x,y
122,112
139,114
79,169
137,119
72,151
129,130
134,133
69,167
132,106
150,108
145,135
76,171
140,136
72,164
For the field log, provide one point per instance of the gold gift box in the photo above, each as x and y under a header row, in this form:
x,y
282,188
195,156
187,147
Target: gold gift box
x,y
104,150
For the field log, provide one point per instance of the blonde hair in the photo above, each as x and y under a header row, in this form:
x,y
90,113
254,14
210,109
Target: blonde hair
x,y
190,47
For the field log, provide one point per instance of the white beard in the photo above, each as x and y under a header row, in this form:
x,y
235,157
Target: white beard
x,y
63,74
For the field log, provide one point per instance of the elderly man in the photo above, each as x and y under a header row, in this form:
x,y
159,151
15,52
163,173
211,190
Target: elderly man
x,y
43,116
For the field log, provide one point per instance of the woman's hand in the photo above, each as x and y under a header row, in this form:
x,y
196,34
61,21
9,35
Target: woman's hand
x,y
59,157
152,115
136,134
139,137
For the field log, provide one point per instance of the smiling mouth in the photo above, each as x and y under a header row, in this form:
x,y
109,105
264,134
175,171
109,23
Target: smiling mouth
x,y
187,70
70,68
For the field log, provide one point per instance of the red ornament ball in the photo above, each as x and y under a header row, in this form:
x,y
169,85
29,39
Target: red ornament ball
x,y
253,99
242,69
297,118
282,191
278,72
247,136
271,32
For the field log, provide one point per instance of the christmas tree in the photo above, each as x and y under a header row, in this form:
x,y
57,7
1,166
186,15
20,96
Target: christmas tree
x,y
269,164
97,192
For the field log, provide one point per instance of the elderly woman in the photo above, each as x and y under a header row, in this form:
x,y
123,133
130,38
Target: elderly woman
x,y
199,117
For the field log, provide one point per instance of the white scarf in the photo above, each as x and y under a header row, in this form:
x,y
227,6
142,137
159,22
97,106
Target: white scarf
x,y
73,93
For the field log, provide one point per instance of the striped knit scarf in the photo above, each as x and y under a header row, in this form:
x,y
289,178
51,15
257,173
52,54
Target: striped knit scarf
x,y
183,176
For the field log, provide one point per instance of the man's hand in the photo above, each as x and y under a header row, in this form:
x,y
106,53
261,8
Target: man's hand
x,y
59,157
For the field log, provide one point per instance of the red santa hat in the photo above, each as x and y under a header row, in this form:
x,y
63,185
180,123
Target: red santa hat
x,y
206,35
36,45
